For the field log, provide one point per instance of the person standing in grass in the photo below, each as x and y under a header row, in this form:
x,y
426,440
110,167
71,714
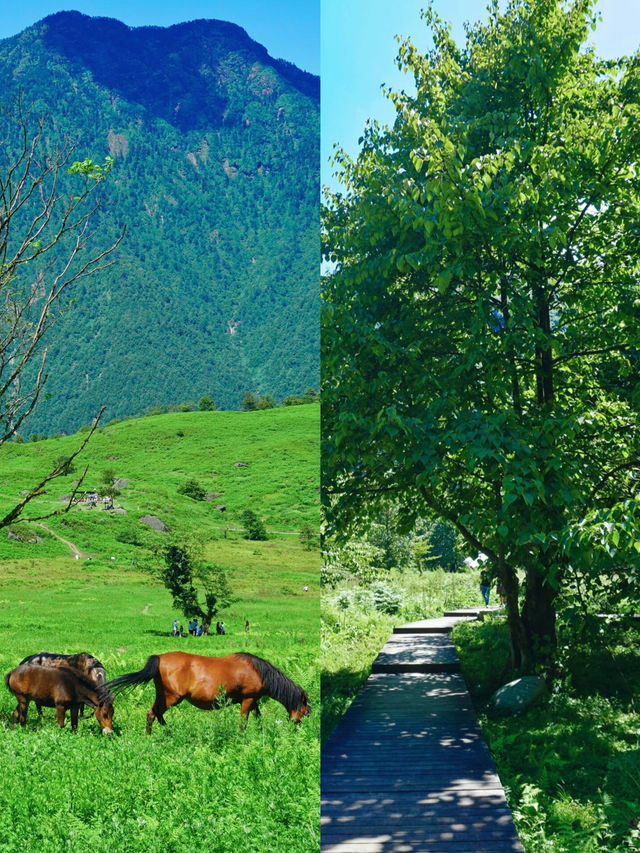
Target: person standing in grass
x,y
246,626
485,586
174,628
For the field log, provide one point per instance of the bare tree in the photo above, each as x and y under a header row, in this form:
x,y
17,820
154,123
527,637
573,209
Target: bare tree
x,y
46,244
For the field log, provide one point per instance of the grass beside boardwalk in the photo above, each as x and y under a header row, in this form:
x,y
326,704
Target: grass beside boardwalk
x,y
571,764
199,783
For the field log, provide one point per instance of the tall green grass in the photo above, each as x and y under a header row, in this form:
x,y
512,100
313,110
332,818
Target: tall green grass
x,y
200,783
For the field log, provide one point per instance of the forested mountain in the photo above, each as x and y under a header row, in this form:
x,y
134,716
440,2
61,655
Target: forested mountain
x,y
216,161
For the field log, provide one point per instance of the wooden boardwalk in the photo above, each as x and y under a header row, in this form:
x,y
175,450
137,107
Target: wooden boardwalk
x,y
407,769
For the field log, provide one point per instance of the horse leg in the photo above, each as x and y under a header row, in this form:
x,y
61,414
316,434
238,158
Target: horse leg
x,y
246,707
74,717
20,713
164,700
60,715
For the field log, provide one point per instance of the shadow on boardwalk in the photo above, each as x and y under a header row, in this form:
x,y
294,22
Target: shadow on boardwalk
x,y
407,768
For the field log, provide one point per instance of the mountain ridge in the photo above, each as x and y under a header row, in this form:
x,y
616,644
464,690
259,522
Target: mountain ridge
x,y
216,176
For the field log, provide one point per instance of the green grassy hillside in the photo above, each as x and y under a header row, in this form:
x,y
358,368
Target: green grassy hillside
x,y
200,782
155,455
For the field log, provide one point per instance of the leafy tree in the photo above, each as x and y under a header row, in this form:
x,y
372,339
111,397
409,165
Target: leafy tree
x,y
444,545
108,477
266,401
253,526
481,331
206,404
182,572
45,248
248,402
308,536
192,489
65,465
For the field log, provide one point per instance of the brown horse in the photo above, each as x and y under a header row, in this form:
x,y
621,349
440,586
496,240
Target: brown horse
x,y
242,678
59,688
83,662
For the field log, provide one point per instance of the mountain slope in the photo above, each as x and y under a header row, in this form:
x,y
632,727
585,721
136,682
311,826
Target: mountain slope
x,y
215,144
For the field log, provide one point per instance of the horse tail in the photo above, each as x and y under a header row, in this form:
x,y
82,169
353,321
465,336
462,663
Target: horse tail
x,y
7,679
130,679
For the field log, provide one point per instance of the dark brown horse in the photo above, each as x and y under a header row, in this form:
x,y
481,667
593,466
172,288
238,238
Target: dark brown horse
x,y
83,662
61,688
242,678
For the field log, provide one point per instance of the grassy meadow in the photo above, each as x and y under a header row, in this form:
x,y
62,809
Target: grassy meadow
x,y
200,782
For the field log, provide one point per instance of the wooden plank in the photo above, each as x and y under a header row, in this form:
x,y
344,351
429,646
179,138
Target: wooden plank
x,y
417,653
472,612
441,625
407,768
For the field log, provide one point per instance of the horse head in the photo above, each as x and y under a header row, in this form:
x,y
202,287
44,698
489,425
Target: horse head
x,y
304,708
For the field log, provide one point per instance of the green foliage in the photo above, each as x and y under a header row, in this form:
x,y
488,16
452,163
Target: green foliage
x,y
180,574
108,476
66,464
248,402
266,401
570,765
480,364
192,489
254,528
206,404
215,169
308,536
445,545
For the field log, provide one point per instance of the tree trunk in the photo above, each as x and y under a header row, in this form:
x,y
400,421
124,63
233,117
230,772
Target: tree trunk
x,y
518,645
539,619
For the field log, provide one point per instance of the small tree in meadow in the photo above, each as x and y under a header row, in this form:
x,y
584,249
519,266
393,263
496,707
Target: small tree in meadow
x,y
266,402
253,526
65,465
180,575
307,536
248,402
192,489
206,404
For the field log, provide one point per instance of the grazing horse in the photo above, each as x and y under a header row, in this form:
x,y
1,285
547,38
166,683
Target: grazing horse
x,y
59,688
83,662
241,677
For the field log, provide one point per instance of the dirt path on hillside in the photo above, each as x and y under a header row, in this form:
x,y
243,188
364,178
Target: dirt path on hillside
x,y
73,548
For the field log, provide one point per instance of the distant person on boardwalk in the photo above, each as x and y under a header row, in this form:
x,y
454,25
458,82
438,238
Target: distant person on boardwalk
x,y
181,631
246,626
199,631
222,628
501,593
217,627
174,628
485,586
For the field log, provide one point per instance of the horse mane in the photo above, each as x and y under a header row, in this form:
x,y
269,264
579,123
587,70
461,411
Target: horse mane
x,y
71,660
101,691
278,685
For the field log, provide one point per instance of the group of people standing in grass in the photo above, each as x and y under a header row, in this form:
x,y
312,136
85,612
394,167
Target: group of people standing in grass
x,y
196,630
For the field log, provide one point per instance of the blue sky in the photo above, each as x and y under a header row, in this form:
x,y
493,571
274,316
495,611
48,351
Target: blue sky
x,y
289,29
358,54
